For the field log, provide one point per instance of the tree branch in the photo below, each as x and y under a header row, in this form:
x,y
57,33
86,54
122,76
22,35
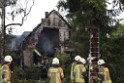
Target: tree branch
x,y
1,4
23,18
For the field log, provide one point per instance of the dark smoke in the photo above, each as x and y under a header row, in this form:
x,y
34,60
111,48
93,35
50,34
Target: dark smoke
x,y
48,41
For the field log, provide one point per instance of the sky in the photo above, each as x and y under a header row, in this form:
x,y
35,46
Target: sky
x,y
35,16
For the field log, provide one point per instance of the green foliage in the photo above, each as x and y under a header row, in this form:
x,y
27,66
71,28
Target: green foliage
x,y
82,14
118,31
112,50
29,75
122,1
85,13
32,75
98,4
63,58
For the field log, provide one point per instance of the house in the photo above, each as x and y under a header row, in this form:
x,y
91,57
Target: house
x,y
45,39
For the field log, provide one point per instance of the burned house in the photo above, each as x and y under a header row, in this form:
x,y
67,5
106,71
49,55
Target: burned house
x,y
47,38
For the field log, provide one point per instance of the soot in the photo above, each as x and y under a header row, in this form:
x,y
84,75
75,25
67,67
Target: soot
x,y
48,41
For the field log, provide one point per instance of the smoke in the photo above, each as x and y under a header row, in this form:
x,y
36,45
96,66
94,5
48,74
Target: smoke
x,y
48,41
46,46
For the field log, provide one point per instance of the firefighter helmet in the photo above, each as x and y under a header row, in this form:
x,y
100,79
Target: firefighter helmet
x,y
77,58
8,58
55,61
82,60
101,62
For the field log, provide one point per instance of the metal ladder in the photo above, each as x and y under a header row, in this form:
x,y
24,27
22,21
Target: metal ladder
x,y
94,55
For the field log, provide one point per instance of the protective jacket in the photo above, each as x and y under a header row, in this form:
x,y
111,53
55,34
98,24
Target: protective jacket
x,y
79,71
55,74
6,73
72,71
104,71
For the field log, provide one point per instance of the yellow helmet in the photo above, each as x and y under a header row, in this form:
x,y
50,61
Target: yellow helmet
x,y
101,62
8,58
55,61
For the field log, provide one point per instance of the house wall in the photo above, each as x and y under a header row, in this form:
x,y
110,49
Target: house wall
x,y
52,21
28,55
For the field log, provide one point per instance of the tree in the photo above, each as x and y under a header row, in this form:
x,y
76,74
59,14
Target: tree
x,y
82,14
88,12
24,11
112,50
118,31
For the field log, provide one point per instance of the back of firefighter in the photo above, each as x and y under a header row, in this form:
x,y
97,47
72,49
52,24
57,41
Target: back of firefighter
x,y
80,71
72,68
6,72
55,72
104,72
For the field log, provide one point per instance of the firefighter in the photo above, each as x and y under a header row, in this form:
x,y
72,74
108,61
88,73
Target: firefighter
x,y
6,72
76,58
55,72
104,73
80,71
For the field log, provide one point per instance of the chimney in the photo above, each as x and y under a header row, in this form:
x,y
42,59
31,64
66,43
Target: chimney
x,y
46,14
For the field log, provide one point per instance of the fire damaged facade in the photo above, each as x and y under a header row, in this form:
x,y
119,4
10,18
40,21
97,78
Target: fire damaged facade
x,y
45,39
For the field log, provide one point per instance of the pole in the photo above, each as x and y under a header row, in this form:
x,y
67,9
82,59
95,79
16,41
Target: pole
x,y
89,60
89,74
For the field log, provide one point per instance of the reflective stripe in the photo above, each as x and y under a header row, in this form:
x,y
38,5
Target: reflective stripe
x,y
79,80
6,70
72,70
109,81
55,75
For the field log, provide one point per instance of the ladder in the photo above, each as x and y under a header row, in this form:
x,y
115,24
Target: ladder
x,y
94,55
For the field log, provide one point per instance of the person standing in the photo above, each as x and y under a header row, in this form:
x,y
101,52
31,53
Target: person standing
x,y
6,72
55,72
104,73
80,71
76,58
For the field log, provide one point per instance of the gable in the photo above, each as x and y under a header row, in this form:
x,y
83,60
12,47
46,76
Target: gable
x,y
52,20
